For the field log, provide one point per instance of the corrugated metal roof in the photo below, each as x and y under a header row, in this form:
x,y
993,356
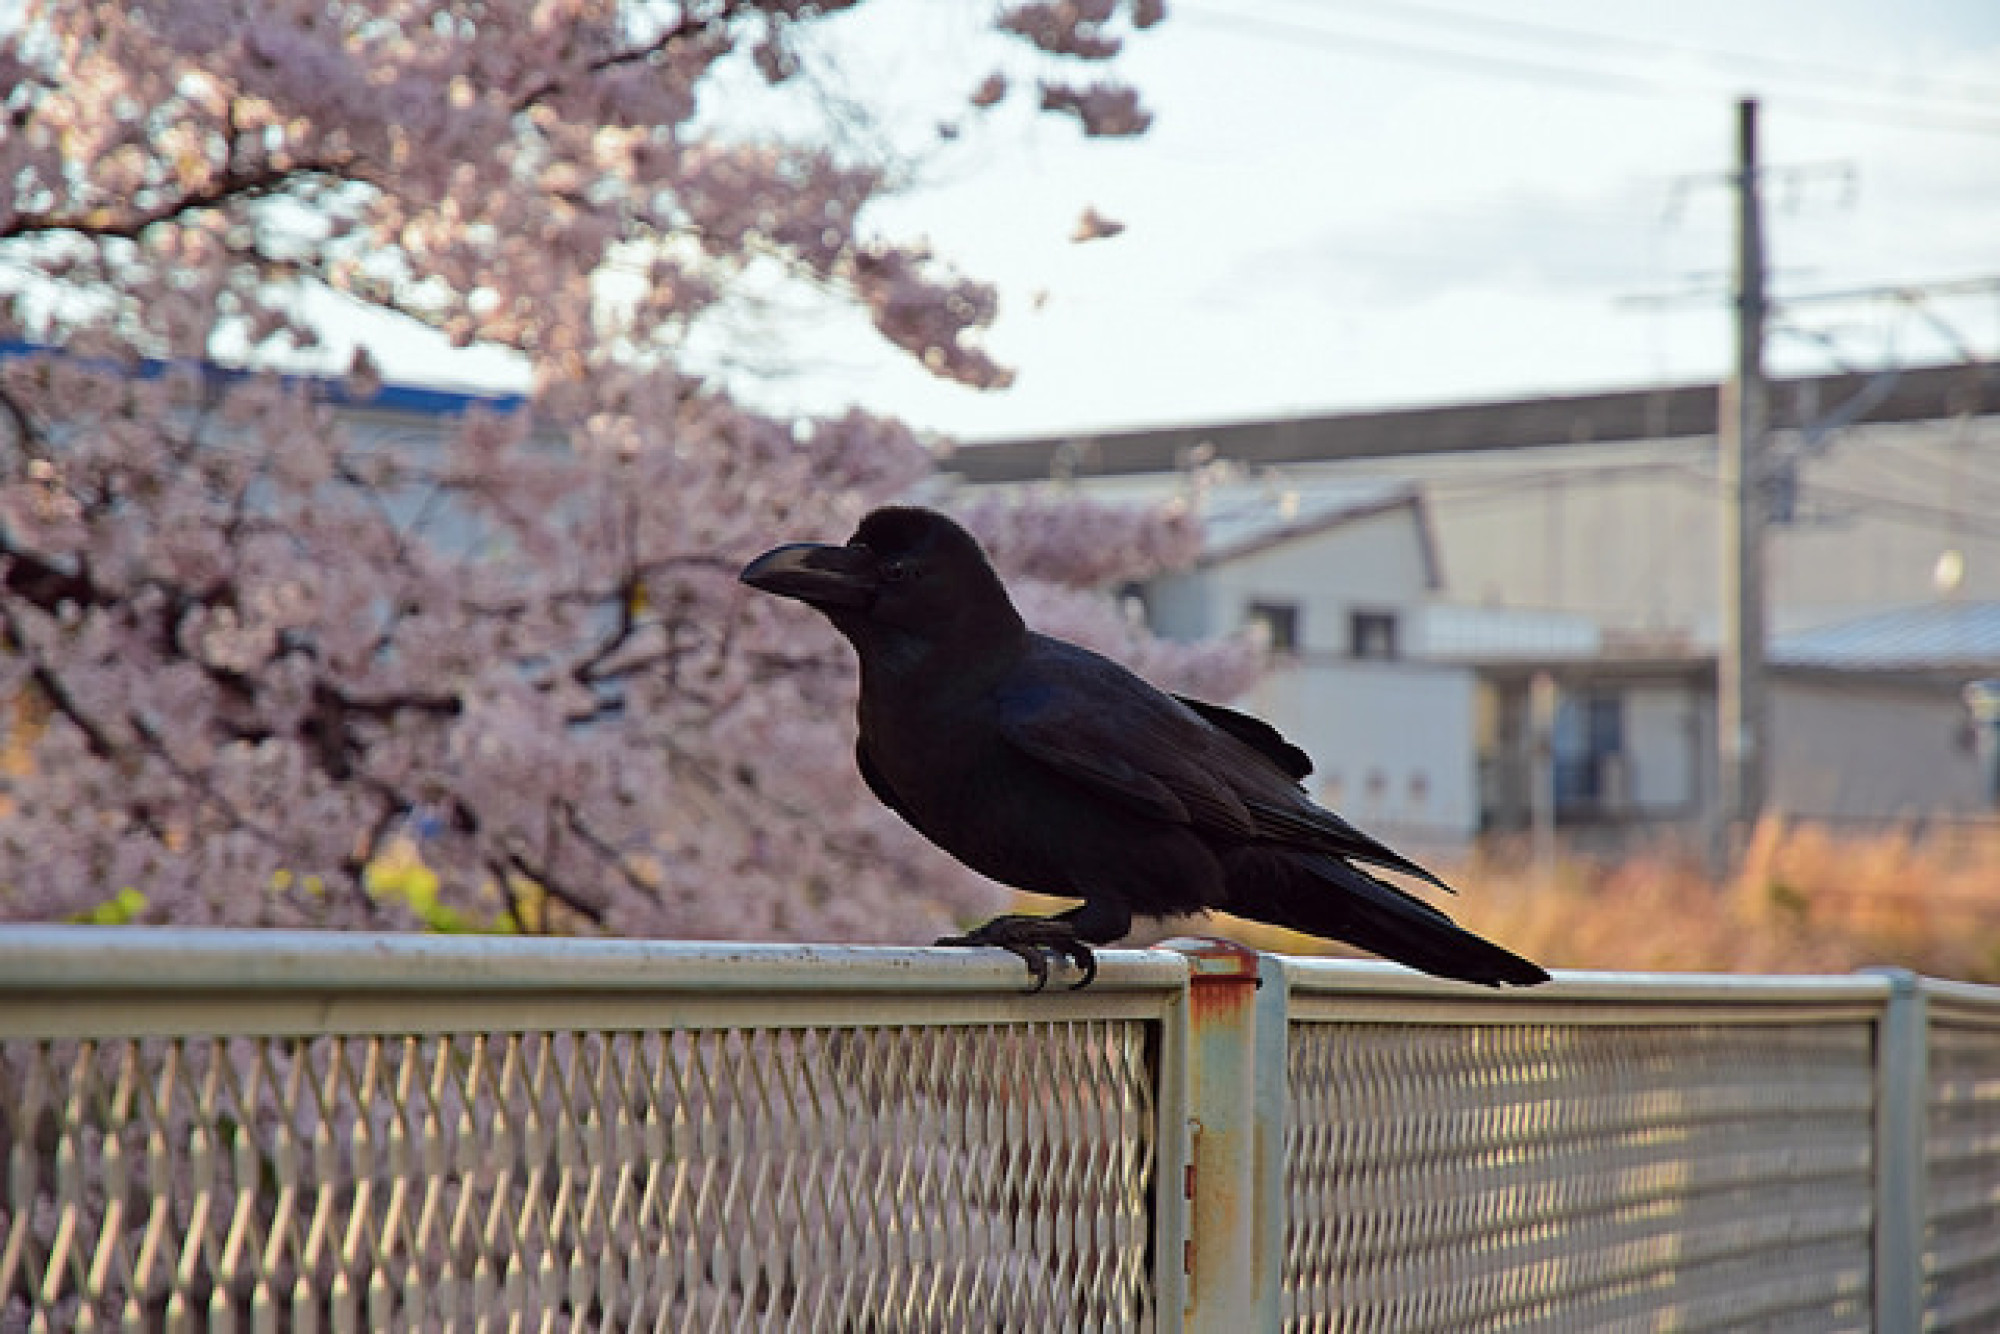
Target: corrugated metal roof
x,y
1241,516
1251,515
1938,635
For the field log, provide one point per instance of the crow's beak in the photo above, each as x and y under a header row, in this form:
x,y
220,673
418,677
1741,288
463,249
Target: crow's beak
x,y
818,575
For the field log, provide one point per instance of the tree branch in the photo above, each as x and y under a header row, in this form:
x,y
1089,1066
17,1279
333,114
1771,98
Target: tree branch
x,y
41,583
689,25
27,438
233,183
511,862
237,180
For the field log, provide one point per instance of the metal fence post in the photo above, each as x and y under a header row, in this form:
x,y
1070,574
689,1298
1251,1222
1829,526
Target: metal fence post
x,y
1274,1001
1234,1182
1902,1082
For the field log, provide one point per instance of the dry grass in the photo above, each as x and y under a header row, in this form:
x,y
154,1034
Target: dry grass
x,y
1804,899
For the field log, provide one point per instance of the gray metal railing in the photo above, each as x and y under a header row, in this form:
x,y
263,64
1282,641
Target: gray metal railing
x,y
292,1131
1636,1154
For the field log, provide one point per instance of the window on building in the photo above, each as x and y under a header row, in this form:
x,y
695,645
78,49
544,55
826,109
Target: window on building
x,y
1132,604
1275,625
1371,634
1589,744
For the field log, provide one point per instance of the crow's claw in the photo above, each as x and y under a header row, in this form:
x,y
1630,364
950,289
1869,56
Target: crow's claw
x,y
1035,941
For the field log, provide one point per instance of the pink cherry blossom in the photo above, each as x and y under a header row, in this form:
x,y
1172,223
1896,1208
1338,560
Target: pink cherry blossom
x,y
254,648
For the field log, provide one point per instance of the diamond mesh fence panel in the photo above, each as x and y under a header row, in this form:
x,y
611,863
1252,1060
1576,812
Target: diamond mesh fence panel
x,y
1962,1172
1530,1175
918,1177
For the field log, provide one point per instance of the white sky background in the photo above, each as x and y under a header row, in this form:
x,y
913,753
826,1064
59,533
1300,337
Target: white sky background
x,y
1355,203
1350,203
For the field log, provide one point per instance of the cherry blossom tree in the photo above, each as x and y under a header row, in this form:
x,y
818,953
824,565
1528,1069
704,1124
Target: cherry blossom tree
x,y
265,669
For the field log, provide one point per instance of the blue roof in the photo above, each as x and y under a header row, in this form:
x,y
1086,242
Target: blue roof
x,y
1937,635
417,399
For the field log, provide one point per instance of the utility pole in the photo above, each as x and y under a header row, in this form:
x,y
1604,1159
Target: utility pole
x,y
1742,721
1736,795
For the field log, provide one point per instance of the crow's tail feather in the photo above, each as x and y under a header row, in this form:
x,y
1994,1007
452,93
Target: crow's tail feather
x,y
1325,896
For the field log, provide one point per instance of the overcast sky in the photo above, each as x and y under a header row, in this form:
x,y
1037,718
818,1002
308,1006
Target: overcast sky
x,y
1349,203
1361,203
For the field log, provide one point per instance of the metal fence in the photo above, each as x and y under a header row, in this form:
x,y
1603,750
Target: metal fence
x,y
286,1131
1643,1162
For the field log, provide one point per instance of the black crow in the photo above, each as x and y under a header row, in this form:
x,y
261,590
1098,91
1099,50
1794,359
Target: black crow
x,y
1050,768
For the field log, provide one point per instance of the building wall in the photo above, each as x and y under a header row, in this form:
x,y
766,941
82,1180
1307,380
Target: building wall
x,y
1655,774
1182,606
1859,750
1670,736
1608,531
1391,739
1854,749
1374,563
1626,533
1391,743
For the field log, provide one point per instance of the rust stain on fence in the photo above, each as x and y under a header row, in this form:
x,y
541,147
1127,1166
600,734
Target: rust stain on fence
x,y
1223,1133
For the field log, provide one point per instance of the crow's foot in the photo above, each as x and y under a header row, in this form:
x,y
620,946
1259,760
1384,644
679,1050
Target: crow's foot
x,y
1036,941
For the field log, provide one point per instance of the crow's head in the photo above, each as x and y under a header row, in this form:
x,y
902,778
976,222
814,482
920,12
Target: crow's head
x,y
906,571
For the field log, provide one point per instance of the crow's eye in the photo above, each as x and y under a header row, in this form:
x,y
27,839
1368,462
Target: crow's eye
x,y
896,571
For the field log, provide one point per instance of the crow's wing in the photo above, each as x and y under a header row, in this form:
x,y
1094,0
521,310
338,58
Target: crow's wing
x,y
1104,729
1257,734
1292,817
1222,772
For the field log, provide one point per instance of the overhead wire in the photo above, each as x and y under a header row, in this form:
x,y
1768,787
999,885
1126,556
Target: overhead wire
x,y
1901,508
1972,486
1877,492
1973,456
1263,26
1597,39
1539,65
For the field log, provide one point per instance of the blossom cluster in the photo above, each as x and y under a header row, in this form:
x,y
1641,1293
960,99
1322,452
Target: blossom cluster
x,y
257,651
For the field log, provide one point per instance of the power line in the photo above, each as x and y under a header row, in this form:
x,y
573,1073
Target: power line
x,y
1898,507
1880,499
1784,66
1972,484
1543,70
1260,27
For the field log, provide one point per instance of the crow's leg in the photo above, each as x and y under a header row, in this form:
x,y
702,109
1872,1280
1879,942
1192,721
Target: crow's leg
x,y
1038,940
1035,941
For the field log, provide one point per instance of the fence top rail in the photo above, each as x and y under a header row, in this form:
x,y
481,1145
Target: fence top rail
x,y
45,960
1369,982
1962,1002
